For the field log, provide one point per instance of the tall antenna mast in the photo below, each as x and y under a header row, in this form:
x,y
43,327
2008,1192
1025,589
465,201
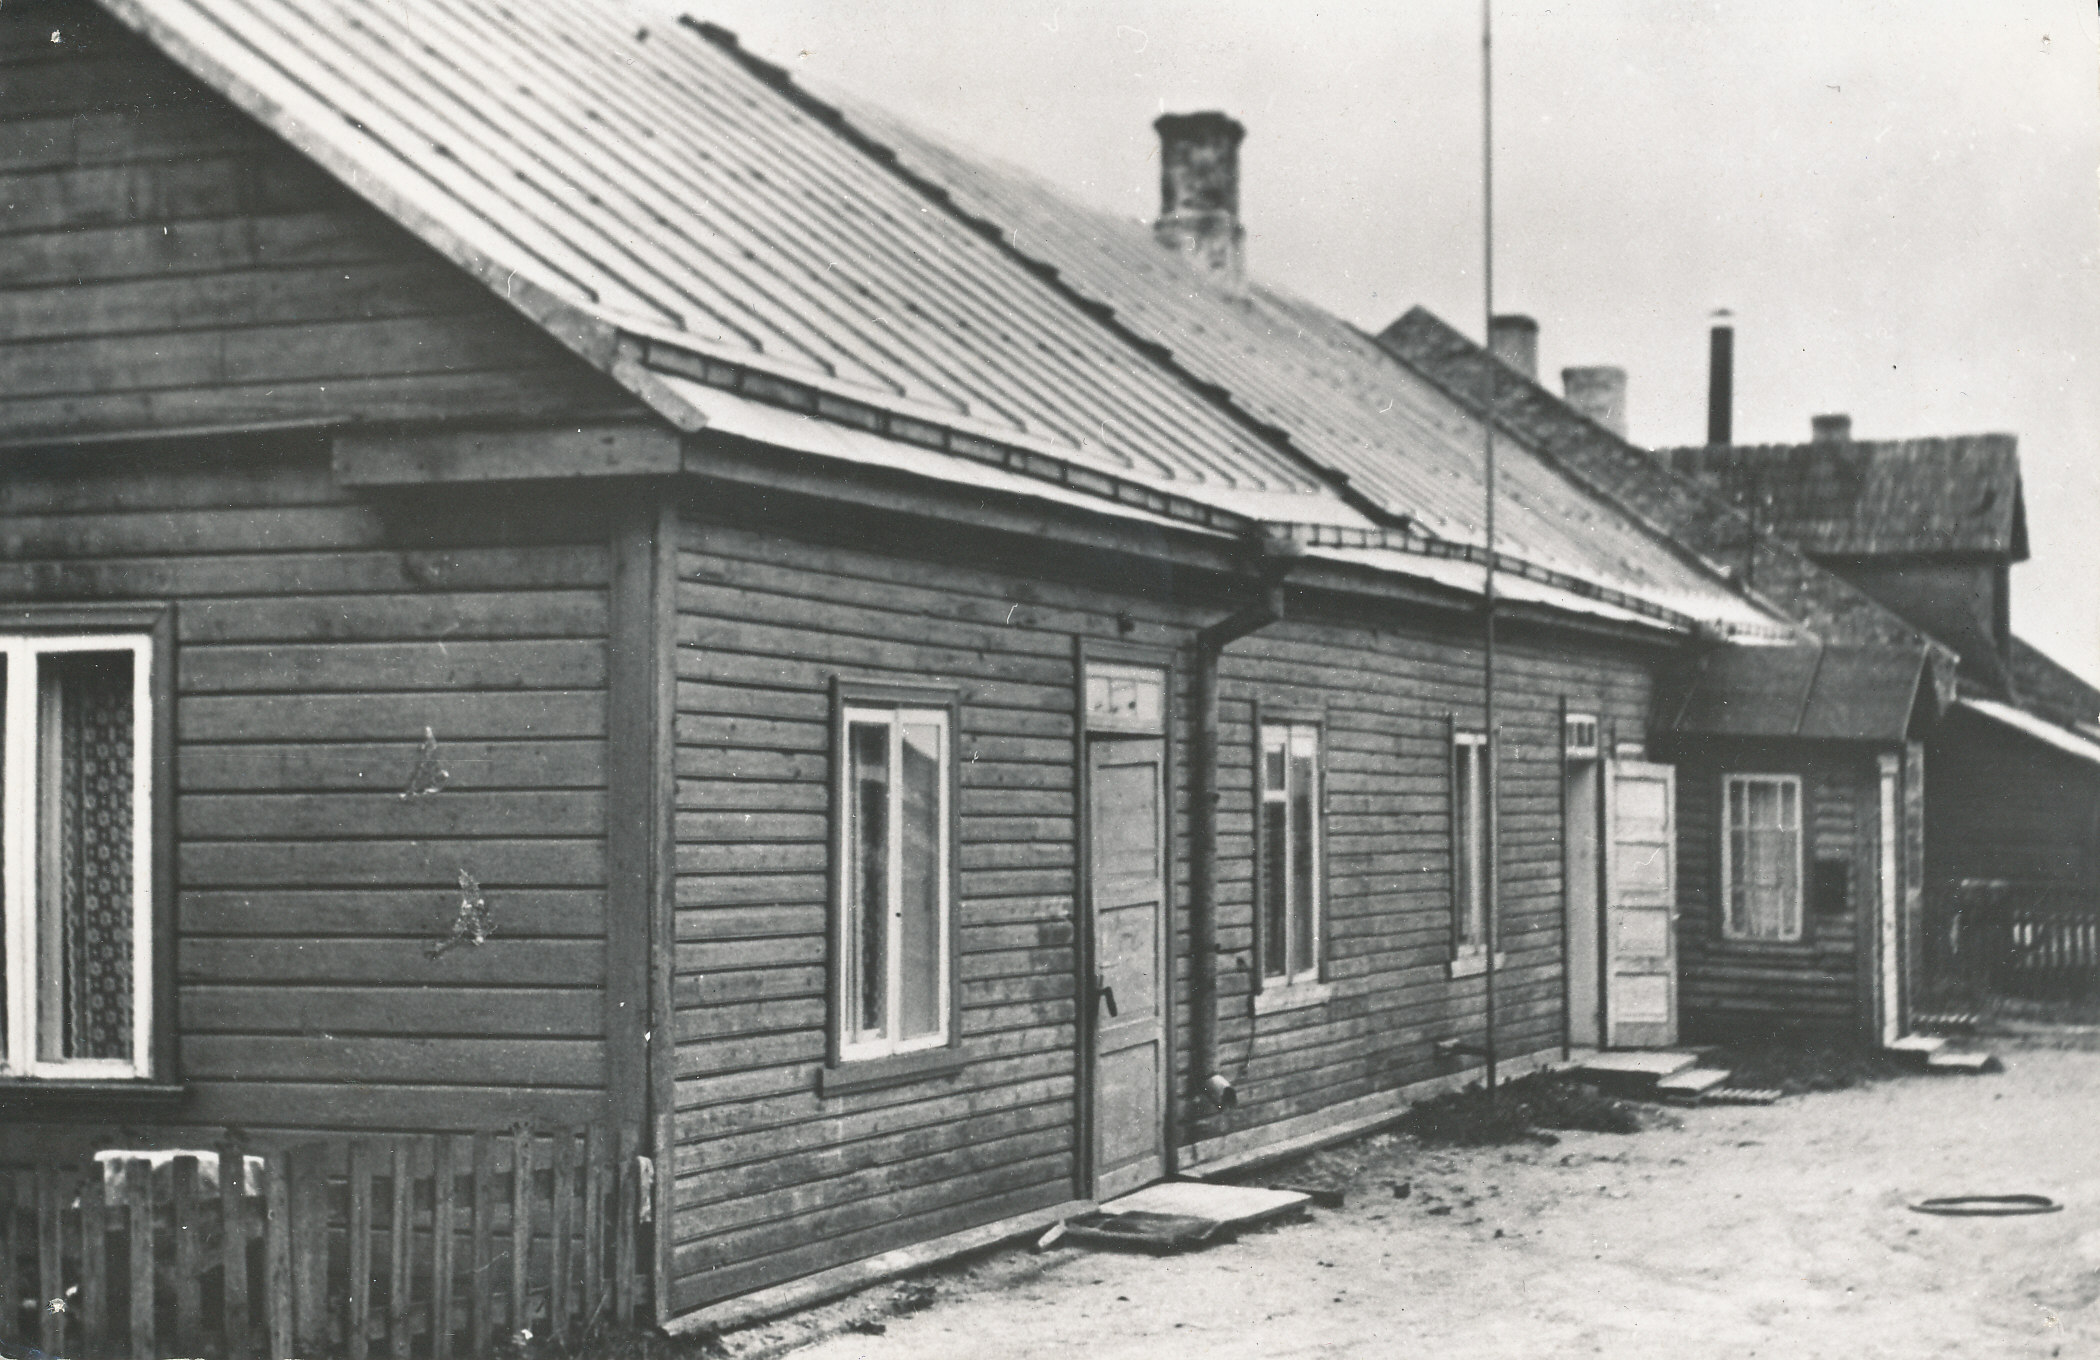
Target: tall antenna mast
x,y
1492,877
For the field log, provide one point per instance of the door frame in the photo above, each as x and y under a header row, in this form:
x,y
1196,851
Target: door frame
x,y
1085,650
1889,1017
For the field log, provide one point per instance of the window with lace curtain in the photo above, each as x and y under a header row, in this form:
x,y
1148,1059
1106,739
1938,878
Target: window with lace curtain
x,y
75,856
1761,856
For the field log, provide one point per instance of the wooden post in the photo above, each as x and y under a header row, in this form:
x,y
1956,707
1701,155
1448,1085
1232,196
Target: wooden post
x,y
594,1160
93,1304
182,1223
233,1251
360,1206
277,1257
520,1227
309,1175
629,1220
401,1245
444,1226
558,1221
51,1255
138,1194
483,1191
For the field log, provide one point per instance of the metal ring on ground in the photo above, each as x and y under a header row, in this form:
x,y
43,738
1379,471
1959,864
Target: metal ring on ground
x,y
1986,1206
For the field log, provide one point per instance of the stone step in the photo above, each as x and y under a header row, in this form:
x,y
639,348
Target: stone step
x,y
1962,1064
1691,1085
1634,1069
1917,1049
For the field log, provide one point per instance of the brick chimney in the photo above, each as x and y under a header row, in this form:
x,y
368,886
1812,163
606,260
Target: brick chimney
x,y
1515,341
1199,195
1831,429
1599,393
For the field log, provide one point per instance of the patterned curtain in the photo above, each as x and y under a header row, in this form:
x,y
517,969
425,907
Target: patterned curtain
x,y
89,812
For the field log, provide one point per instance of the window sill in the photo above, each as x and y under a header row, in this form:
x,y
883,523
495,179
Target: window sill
x,y
1292,996
58,1094
1472,963
876,1074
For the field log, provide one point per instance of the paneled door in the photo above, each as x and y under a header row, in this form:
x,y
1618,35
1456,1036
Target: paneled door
x,y
1127,827
1640,966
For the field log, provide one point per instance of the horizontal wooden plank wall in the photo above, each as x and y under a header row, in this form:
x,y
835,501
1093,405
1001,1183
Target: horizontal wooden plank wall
x,y
316,639
1389,696
1733,989
2002,806
166,262
773,1181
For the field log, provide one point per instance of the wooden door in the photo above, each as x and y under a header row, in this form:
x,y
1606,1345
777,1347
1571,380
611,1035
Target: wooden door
x,y
1127,825
1640,973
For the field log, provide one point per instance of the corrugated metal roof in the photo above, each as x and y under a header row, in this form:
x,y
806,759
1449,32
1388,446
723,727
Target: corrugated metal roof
x,y
678,213
638,174
1341,401
1831,693
1874,498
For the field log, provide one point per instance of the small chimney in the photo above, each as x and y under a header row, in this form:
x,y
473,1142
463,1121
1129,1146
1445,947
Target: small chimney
x,y
1720,385
1515,341
1831,429
1199,194
1599,393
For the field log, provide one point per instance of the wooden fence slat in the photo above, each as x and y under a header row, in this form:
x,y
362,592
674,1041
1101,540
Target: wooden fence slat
x,y
594,1169
10,1250
138,1194
561,1215
444,1222
51,1254
482,1187
277,1257
401,1244
310,1323
234,1334
183,1228
520,1227
360,1282
94,1298
624,1282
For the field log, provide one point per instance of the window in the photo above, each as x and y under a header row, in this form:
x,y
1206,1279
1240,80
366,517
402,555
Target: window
x,y
1761,856
1290,852
1469,836
76,860
895,871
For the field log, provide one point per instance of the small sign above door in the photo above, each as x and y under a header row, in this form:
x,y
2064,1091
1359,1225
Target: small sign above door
x,y
1122,698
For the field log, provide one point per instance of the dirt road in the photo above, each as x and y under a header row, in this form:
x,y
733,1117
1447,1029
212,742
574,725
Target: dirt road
x,y
1777,1232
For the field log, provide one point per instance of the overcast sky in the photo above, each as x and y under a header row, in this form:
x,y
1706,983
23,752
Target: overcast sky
x,y
1897,200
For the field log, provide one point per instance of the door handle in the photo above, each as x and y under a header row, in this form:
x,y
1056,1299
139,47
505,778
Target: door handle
x,y
1106,993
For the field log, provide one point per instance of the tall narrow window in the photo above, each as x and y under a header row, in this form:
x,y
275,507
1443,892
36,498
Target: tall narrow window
x,y
1761,856
894,965
1290,848
1469,837
75,861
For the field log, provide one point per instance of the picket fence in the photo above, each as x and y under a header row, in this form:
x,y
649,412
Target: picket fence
x,y
419,1247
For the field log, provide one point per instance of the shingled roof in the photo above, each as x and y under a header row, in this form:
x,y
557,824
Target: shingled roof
x,y
1831,608
1958,496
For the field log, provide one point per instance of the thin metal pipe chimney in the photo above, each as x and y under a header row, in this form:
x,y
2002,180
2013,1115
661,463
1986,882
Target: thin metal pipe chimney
x,y
1720,385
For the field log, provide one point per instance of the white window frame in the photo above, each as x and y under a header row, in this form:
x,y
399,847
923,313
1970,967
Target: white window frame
x,y
1299,739
854,1045
1469,839
20,804
1795,915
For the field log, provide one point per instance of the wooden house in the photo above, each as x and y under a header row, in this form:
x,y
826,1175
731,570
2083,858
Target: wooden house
x,y
547,572
1932,529
1801,770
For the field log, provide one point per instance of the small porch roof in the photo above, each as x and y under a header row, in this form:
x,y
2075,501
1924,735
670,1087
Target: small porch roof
x,y
1831,692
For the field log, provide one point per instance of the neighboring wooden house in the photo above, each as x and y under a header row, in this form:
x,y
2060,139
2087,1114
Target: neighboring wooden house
x,y
1800,770
548,573
1932,528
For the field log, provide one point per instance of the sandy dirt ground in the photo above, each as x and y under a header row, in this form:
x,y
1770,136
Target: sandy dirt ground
x,y
1725,1232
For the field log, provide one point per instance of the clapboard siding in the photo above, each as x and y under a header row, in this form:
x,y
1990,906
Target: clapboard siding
x,y
1732,988
763,1169
165,262
315,640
